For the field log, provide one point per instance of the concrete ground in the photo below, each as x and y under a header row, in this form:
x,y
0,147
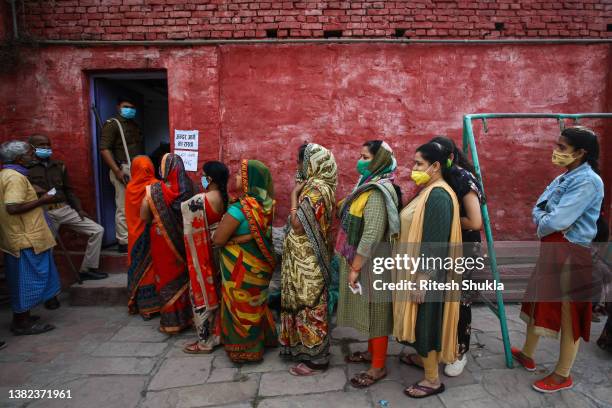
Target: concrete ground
x,y
109,359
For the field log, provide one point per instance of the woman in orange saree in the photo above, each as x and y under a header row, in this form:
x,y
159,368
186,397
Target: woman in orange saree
x,y
143,298
162,205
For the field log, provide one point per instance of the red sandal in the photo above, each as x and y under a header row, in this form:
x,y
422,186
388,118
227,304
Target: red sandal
x,y
548,385
526,362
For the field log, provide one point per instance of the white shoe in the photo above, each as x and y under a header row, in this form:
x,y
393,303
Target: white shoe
x,y
455,369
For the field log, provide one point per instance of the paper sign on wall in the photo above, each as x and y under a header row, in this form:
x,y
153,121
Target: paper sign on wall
x,y
190,159
186,139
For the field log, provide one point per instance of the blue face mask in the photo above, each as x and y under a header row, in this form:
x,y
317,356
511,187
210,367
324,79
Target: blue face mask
x,y
43,153
205,182
128,113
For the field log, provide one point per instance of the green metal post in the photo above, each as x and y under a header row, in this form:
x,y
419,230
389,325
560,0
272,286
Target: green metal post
x,y
468,134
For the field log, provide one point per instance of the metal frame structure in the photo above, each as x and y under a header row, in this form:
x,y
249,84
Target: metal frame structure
x,y
469,144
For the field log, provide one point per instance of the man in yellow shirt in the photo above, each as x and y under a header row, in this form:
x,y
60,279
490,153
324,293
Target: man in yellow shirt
x,y
26,240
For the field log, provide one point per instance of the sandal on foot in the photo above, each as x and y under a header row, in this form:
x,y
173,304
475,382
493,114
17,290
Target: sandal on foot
x,y
302,370
408,359
195,348
36,328
358,357
365,380
428,391
526,362
52,304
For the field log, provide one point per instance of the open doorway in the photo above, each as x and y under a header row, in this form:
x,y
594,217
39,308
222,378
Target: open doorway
x,y
149,90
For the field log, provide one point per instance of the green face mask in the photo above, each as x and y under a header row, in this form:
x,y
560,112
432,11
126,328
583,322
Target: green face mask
x,y
362,167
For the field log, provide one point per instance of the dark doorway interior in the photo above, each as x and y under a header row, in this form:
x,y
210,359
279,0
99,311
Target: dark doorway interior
x,y
150,92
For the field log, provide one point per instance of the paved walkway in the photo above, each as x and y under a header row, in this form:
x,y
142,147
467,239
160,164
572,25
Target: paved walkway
x,y
109,359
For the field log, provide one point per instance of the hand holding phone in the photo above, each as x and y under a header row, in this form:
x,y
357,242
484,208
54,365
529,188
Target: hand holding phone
x,y
357,289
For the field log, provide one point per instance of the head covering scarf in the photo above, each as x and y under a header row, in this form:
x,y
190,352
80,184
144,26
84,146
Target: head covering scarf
x,y
142,175
167,196
382,168
321,172
257,203
382,165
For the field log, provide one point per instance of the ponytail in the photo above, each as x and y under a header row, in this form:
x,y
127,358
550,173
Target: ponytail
x,y
219,173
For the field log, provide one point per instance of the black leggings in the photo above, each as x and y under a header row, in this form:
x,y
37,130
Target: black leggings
x,y
464,327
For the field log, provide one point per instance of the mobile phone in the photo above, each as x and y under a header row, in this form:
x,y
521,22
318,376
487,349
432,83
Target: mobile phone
x,y
52,192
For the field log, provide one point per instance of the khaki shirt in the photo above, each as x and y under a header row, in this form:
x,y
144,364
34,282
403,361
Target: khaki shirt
x,y
111,138
22,231
53,173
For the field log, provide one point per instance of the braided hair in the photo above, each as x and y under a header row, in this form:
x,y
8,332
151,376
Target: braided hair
x,y
219,174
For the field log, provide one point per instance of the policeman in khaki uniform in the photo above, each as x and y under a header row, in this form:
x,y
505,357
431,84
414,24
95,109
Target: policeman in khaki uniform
x,y
121,141
45,174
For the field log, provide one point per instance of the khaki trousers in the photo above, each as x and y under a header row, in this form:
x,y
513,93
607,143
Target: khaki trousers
x,y
568,348
67,216
121,232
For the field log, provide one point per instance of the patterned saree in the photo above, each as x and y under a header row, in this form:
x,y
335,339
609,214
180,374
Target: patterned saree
x,y
167,244
246,269
143,297
199,223
306,274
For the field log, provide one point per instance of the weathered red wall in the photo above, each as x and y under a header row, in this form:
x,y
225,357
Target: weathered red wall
x,y
182,19
261,102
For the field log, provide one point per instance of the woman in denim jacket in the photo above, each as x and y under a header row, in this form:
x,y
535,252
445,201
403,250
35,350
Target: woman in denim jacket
x,y
566,218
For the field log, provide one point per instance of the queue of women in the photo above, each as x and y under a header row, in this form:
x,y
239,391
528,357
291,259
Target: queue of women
x,y
205,261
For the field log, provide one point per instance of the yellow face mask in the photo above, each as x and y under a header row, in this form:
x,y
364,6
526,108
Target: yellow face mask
x,y
420,177
562,159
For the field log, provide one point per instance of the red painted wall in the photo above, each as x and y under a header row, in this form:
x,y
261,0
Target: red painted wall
x,y
180,19
261,102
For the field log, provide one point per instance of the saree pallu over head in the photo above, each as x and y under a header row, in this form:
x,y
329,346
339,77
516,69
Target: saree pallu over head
x,y
257,203
142,175
404,311
306,275
246,269
165,200
382,168
319,167
167,243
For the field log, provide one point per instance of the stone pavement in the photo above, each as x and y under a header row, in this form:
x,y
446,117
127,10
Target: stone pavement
x,y
109,359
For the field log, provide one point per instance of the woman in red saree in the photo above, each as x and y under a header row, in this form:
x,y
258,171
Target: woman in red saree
x,y
162,205
201,216
143,298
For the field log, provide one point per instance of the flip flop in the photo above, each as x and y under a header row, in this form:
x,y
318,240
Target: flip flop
x,y
357,357
427,390
36,328
365,380
409,361
194,348
302,370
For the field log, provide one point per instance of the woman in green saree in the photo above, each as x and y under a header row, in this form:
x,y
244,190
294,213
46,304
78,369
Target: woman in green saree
x,y
247,264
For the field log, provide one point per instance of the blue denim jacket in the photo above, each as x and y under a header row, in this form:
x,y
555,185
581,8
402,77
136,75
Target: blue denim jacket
x,y
573,203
